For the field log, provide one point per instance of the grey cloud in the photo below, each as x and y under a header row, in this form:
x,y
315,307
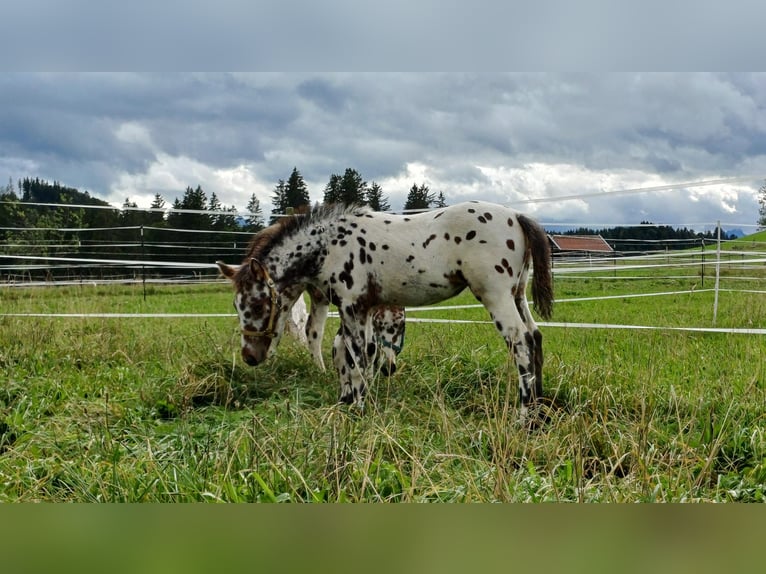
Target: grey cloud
x,y
687,127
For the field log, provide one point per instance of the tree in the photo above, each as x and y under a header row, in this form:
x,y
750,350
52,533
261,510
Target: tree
x,y
354,188
279,200
223,218
156,218
419,197
254,220
129,215
214,205
440,201
292,194
333,193
762,205
375,198
348,189
196,200
297,190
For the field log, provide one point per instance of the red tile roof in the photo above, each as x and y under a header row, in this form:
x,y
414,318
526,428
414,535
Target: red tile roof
x,y
580,243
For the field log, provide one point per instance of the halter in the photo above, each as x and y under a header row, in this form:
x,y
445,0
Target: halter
x,y
269,331
394,347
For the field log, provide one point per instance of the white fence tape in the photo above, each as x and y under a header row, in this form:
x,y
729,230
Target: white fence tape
x,y
409,320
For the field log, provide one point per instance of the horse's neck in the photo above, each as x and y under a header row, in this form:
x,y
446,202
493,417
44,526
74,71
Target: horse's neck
x,y
296,259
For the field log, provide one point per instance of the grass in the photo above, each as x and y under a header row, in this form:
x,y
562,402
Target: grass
x,y
132,409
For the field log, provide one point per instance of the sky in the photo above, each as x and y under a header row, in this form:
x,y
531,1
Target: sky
x,y
518,139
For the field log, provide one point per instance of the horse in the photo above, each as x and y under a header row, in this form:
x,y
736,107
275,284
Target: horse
x,y
359,259
308,328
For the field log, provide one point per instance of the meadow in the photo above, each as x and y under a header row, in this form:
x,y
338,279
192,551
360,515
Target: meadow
x,y
136,409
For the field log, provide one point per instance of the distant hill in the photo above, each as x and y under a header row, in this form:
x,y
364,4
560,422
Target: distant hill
x,y
40,191
759,237
14,214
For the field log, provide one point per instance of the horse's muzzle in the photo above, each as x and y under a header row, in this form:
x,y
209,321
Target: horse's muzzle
x,y
387,369
253,358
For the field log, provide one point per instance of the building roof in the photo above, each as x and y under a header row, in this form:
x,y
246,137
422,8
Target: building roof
x,y
580,243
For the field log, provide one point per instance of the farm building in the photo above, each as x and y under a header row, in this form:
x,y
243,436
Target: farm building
x,y
579,245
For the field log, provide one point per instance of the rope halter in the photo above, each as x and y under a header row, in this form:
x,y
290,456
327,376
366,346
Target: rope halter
x,y
269,330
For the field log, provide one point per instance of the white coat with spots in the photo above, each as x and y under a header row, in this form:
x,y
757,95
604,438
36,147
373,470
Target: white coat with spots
x,y
360,259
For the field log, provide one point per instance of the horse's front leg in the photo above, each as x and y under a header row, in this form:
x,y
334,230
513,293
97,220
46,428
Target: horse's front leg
x,y
315,327
353,354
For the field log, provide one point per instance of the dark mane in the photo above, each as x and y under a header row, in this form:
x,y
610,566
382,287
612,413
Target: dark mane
x,y
265,240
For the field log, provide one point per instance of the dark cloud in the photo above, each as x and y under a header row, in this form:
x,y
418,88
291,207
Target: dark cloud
x,y
502,137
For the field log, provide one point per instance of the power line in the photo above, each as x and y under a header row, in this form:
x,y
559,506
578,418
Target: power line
x,y
634,190
168,210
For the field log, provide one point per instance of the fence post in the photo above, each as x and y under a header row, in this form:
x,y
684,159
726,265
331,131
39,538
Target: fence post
x,y
143,267
702,265
717,272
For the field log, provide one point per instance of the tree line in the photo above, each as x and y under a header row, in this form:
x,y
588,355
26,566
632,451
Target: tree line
x,y
350,188
626,238
198,228
194,210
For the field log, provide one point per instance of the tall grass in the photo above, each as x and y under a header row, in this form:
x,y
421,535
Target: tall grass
x,y
164,410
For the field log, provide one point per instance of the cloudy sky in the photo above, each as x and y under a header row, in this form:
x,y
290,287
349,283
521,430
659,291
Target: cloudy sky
x,y
517,139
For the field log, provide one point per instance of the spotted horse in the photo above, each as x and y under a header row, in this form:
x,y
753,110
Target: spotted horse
x,y
388,324
308,327
360,259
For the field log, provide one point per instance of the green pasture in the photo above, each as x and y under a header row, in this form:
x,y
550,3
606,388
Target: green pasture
x,y
163,409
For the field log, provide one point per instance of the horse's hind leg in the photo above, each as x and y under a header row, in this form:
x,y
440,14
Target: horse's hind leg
x,y
537,340
521,343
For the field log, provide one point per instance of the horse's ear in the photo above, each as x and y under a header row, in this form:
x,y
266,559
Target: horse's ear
x,y
227,271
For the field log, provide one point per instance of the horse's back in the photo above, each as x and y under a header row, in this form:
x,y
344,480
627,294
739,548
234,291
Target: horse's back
x,y
431,256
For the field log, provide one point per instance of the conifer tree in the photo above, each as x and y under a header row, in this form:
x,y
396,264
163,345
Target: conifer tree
x,y
419,197
348,189
333,192
254,218
279,200
375,198
297,190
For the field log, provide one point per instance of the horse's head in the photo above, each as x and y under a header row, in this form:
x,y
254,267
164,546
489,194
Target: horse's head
x,y
259,306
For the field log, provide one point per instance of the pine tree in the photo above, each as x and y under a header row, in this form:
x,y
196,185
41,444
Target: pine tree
x,y
419,197
762,205
297,191
254,219
375,198
348,189
156,218
128,215
353,187
333,192
214,205
440,201
194,199
226,217
279,200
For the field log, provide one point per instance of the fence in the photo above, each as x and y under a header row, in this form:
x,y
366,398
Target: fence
x,y
144,254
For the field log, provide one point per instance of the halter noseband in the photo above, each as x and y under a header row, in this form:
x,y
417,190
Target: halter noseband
x,y
269,331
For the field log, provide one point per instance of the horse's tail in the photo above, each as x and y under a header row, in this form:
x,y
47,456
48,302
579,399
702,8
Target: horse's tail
x,y
542,278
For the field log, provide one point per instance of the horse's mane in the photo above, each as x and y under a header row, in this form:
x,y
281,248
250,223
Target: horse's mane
x,y
266,239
